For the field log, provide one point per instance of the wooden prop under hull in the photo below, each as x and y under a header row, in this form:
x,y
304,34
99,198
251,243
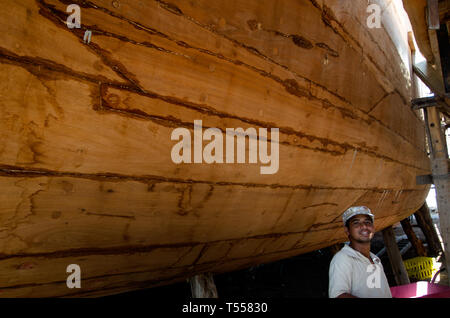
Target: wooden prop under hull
x,y
86,175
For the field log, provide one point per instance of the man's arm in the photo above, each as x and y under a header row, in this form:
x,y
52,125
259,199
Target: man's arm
x,y
340,277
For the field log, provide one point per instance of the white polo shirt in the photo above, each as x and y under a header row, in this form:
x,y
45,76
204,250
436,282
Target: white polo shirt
x,y
353,273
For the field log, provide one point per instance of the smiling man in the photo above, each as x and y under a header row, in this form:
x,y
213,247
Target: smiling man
x,y
354,270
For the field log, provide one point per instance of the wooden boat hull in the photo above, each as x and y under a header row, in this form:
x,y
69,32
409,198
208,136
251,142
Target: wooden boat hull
x,y
86,174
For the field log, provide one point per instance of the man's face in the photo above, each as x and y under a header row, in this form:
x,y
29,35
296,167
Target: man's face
x,y
360,228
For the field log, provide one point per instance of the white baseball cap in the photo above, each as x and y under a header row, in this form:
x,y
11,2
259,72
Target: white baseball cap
x,y
356,210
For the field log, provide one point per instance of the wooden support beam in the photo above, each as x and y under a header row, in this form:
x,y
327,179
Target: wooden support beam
x,y
395,258
423,102
430,76
425,222
202,286
444,8
397,239
405,248
433,15
412,237
444,49
439,167
433,75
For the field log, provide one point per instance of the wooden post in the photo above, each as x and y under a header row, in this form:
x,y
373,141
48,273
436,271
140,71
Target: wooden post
x,y
438,146
439,168
395,258
433,14
425,222
202,286
416,243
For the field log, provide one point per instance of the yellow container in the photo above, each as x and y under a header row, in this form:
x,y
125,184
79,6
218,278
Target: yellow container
x,y
421,268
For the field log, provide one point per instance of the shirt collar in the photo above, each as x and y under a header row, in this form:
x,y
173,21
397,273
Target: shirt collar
x,y
354,253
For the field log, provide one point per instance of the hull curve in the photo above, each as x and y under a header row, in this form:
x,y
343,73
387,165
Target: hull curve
x,y
86,173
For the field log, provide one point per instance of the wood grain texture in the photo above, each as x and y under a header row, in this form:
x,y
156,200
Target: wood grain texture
x,y
86,175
